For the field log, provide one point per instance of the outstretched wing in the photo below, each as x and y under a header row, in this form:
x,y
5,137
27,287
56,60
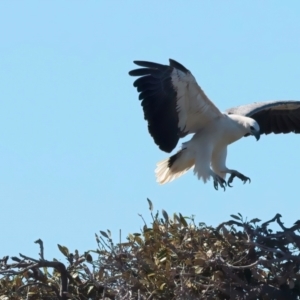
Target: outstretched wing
x,y
174,104
272,117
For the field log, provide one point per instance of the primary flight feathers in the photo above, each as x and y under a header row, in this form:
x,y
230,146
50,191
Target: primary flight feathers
x,y
174,105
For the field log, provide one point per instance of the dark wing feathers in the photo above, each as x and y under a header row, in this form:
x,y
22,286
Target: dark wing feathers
x,y
174,104
178,66
284,124
158,101
144,82
294,120
151,65
148,93
272,117
159,98
146,71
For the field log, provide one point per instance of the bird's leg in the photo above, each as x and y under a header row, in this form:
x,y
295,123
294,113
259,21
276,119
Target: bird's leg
x,y
237,174
218,181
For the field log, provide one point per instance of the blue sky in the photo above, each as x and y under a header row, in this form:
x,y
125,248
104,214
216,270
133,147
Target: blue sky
x,y
75,154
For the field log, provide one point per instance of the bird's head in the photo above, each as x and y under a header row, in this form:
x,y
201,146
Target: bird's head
x,y
246,126
253,128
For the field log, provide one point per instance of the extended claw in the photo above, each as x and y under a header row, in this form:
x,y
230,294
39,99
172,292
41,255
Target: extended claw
x,y
238,175
219,181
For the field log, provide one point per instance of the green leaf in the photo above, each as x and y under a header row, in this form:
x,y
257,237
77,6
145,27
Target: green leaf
x,y
235,217
255,220
176,218
64,250
14,258
97,238
104,234
138,240
164,213
182,220
88,257
109,233
162,286
150,204
130,237
45,271
90,289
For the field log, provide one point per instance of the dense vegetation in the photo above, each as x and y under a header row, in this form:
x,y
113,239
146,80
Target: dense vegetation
x,y
172,258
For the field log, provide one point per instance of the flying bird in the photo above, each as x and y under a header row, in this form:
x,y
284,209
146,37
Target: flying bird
x,y
174,106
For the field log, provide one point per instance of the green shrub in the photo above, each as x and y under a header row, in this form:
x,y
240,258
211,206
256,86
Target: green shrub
x,y
172,258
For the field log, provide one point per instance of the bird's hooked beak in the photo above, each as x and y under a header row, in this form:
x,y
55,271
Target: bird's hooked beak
x,y
256,134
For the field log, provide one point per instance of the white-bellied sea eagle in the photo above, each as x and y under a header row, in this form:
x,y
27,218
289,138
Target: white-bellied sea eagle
x,y
174,105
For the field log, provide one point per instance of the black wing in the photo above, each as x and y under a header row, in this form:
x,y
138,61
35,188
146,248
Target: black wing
x,y
173,103
159,102
272,117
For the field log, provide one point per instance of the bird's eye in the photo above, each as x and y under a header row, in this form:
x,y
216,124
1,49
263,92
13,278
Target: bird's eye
x,y
251,127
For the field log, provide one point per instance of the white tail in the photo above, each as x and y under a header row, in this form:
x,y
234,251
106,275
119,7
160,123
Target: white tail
x,y
174,167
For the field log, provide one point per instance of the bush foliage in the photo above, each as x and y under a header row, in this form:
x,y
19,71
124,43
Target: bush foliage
x,y
173,258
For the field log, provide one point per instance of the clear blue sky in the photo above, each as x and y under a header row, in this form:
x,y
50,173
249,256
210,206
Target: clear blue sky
x,y
75,154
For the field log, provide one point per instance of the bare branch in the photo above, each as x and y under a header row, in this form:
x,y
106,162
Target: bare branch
x,y
40,242
54,289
